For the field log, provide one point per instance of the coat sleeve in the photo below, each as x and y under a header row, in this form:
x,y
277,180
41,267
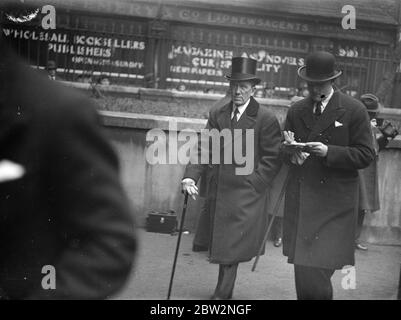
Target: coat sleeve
x,y
92,212
359,153
285,156
269,163
196,169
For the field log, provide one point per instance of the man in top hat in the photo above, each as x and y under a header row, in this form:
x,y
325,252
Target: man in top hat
x,y
368,177
332,138
236,199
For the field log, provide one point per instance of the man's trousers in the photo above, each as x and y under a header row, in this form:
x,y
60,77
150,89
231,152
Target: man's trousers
x,y
313,283
226,281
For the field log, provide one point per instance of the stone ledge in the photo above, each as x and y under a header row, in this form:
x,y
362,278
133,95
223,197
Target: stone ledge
x,y
150,92
148,121
384,235
104,88
395,144
390,113
385,113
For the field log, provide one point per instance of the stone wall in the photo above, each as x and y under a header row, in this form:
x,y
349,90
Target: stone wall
x,y
157,187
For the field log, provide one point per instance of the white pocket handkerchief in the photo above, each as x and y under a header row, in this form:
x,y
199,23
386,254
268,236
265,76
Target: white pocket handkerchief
x,y
338,124
10,170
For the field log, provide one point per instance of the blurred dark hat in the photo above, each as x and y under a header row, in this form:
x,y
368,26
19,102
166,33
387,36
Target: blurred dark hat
x,y
371,102
243,69
319,67
51,65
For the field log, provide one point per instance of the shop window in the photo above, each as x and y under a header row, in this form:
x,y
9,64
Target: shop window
x,y
200,58
85,47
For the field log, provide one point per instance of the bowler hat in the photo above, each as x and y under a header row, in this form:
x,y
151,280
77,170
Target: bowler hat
x,y
243,69
371,102
319,67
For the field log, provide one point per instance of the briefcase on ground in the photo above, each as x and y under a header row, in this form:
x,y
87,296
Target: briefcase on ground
x,y
162,222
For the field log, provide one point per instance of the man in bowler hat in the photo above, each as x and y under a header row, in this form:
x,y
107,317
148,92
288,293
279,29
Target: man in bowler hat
x,y
327,140
236,203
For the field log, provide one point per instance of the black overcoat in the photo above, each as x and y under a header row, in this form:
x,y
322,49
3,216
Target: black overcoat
x,y
237,202
322,195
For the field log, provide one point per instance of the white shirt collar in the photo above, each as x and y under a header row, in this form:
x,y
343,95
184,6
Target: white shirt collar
x,y
326,100
241,109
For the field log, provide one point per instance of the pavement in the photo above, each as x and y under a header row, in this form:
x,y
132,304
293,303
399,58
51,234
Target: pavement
x,y
376,273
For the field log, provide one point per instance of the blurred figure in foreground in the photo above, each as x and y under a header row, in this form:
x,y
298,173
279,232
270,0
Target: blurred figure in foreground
x,y
368,177
66,228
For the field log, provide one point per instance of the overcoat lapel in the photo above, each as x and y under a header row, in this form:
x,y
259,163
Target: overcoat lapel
x,y
224,122
247,121
307,113
224,117
248,118
332,112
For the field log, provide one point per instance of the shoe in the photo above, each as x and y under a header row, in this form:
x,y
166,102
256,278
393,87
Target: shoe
x,y
360,246
199,248
278,242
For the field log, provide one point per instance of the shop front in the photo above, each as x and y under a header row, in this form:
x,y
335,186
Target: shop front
x,y
188,47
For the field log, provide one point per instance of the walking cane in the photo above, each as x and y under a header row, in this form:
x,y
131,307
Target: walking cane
x,y
275,210
184,209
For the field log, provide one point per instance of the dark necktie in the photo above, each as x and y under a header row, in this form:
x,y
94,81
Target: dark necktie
x,y
318,110
234,119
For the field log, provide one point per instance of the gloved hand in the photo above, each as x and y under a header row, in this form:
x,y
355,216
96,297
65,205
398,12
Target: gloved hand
x,y
189,186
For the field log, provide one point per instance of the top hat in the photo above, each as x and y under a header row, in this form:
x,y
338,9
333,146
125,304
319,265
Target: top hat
x,y
371,102
319,67
51,65
243,69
